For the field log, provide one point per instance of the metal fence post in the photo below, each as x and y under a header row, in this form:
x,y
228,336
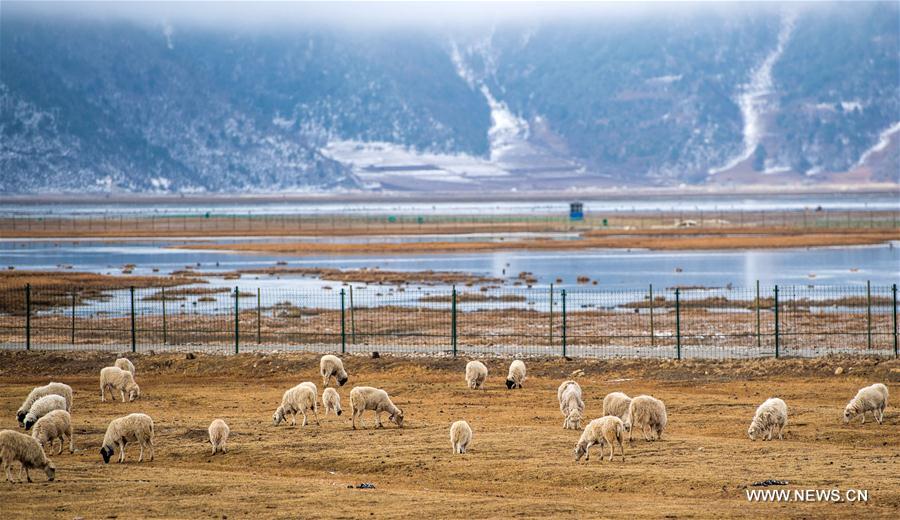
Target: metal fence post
x,y
894,295
758,328
133,325
652,335
551,315
343,328
678,323
869,313
564,318
165,338
237,319
352,318
258,317
453,319
777,330
28,316
73,317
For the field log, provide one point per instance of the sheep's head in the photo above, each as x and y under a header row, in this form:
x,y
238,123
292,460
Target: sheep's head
x,y
848,413
627,425
278,416
574,419
106,452
580,451
134,392
50,470
753,431
342,379
29,421
510,384
21,417
397,418
339,411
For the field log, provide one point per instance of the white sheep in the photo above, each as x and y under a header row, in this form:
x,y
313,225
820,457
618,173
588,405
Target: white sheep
x,y
616,404
114,378
125,364
332,401
770,417
40,391
476,373
571,404
135,427
869,399
55,425
315,391
300,398
218,435
460,436
332,366
18,447
646,412
42,407
608,430
364,398
516,375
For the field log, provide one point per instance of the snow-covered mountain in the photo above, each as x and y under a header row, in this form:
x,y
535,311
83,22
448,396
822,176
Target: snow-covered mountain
x,y
802,93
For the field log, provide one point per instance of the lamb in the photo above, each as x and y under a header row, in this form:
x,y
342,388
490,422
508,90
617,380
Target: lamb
x,y
18,447
476,373
570,404
218,435
55,425
516,375
40,391
770,416
646,412
332,401
125,364
617,404
332,366
42,407
605,430
301,399
869,399
136,427
114,378
460,436
364,398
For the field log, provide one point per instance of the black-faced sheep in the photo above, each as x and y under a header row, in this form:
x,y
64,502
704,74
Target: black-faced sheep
x,y
41,391
135,427
516,375
332,366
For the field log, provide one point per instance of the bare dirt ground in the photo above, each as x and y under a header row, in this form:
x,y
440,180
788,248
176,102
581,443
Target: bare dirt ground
x,y
519,465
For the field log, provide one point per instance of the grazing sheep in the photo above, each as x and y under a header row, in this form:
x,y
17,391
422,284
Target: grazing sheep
x,y
460,436
770,416
55,425
136,427
616,404
332,366
364,398
315,390
332,401
301,399
476,373
40,391
18,447
570,404
646,412
605,430
218,435
869,399
42,407
125,364
114,378
516,375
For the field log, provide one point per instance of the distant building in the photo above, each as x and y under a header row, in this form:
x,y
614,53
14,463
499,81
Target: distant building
x,y
576,211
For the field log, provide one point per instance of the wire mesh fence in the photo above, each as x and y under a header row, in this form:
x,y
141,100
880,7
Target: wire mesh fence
x,y
683,322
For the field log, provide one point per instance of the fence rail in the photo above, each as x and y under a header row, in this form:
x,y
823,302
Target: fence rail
x,y
776,321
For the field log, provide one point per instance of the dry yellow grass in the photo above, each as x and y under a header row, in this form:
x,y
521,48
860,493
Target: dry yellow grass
x,y
519,465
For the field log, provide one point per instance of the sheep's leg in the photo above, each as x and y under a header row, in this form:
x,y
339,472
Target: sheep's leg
x,y
316,415
121,452
27,475
293,418
8,467
644,432
150,443
621,448
304,418
612,450
122,392
141,457
863,418
102,393
880,415
378,420
61,442
587,451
